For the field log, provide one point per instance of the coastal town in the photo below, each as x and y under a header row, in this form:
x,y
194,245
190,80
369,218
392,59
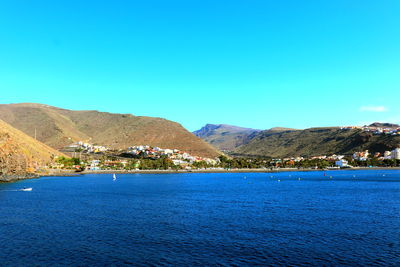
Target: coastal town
x,y
357,159
90,157
94,157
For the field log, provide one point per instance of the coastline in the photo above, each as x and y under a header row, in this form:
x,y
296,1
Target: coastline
x,y
9,178
67,173
217,171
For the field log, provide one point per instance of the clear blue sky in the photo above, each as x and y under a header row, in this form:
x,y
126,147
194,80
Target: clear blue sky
x,y
250,63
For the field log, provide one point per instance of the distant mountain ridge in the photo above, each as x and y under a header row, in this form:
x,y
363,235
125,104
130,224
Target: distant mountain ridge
x,y
315,142
58,128
288,142
225,137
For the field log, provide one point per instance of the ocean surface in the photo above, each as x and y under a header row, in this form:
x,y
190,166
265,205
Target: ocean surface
x,y
295,218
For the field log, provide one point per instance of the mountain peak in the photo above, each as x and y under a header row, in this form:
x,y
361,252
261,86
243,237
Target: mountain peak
x,y
225,136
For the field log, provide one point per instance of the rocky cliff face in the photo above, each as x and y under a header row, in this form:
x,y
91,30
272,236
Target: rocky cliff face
x,y
12,159
21,155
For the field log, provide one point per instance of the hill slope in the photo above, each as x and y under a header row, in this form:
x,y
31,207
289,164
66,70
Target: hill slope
x,y
225,137
60,127
314,142
20,153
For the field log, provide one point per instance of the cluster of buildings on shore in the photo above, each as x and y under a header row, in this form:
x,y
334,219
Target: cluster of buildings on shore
x,y
364,155
186,161
144,151
294,160
179,158
341,161
96,164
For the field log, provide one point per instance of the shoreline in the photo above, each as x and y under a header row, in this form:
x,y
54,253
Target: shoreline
x,y
14,178
70,173
219,171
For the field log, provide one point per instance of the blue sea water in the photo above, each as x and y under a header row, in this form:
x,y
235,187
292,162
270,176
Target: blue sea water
x,y
306,218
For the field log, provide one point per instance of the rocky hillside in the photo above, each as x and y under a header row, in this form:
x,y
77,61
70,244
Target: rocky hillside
x,y
225,137
315,141
60,127
20,154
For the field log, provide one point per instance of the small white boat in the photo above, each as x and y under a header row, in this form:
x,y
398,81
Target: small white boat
x,y
114,177
27,189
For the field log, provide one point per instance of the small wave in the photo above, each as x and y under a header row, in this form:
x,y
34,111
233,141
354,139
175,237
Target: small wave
x,y
18,190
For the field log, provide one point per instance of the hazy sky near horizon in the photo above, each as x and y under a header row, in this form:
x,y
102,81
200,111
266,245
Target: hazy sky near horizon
x,y
256,64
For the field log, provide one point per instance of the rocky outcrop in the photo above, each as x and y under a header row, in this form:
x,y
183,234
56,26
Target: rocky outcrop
x,y
12,159
21,155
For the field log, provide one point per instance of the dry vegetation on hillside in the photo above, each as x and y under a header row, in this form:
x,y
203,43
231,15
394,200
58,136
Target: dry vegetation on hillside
x,y
60,127
20,153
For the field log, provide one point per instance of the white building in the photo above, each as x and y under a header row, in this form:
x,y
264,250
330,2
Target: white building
x,y
168,151
94,165
396,154
342,163
387,155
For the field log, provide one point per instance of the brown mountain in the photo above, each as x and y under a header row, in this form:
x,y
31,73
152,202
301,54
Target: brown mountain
x,y
21,154
58,128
